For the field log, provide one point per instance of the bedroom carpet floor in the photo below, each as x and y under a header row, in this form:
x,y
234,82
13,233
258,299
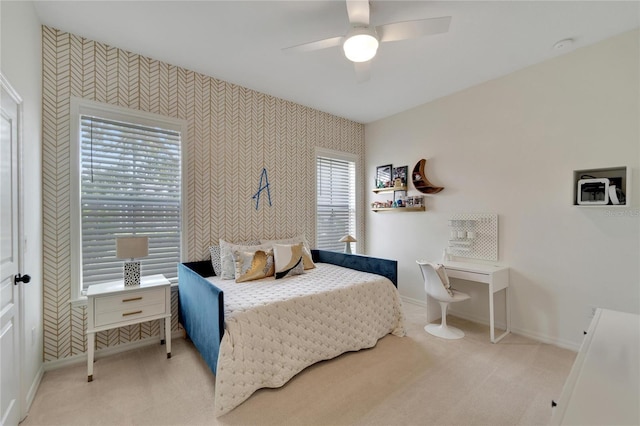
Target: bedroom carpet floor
x,y
415,380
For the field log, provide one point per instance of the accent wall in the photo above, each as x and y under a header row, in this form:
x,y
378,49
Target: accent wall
x,y
233,133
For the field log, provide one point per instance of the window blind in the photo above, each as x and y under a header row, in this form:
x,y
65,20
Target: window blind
x,y
130,184
335,202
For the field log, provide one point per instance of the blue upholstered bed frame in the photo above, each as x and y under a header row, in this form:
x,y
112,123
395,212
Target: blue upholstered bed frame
x,y
201,304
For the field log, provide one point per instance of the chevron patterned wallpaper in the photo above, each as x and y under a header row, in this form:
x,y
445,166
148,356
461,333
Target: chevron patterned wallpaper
x,y
233,133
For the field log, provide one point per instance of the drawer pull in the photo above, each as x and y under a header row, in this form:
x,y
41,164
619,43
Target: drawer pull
x,y
131,313
132,299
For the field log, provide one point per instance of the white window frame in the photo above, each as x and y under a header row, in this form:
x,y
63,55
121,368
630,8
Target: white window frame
x,y
345,156
80,107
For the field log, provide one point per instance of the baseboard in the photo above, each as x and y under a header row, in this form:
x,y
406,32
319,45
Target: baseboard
x,y
412,301
432,315
477,319
561,343
31,393
472,318
111,350
542,338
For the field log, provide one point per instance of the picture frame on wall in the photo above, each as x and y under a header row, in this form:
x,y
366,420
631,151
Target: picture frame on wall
x,y
400,173
383,176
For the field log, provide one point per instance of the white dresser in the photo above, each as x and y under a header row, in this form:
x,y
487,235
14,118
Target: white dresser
x,y
603,387
111,305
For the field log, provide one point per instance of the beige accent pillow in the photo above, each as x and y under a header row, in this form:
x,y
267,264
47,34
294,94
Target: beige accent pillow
x,y
288,259
444,278
306,253
227,262
253,265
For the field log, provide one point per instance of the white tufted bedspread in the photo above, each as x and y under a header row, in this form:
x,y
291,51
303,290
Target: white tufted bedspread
x,y
276,328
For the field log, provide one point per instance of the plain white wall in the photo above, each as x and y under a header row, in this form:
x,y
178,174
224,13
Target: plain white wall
x,y
509,146
20,63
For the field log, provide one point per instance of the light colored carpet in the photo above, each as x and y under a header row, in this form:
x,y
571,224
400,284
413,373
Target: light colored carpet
x,y
415,380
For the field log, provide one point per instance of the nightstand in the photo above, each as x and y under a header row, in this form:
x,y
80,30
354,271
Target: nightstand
x,y
112,305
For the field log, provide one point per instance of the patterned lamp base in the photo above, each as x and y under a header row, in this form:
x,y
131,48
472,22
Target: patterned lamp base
x,y
131,274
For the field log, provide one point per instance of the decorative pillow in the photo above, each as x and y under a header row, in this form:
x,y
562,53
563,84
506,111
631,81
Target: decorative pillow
x,y
306,253
288,259
444,278
253,265
228,267
215,259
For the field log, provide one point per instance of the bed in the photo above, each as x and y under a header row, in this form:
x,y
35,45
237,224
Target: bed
x,y
262,333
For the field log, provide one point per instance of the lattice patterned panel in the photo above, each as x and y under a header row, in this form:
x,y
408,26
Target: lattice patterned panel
x,y
474,235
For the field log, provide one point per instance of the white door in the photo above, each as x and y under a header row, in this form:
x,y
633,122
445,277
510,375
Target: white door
x,y
9,256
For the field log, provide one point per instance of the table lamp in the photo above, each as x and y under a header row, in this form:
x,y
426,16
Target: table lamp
x,y
131,248
348,239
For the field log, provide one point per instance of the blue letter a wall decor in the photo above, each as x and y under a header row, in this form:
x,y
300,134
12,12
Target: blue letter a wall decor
x,y
264,185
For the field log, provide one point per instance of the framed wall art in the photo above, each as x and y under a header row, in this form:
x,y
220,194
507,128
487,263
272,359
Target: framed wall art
x,y
383,176
400,173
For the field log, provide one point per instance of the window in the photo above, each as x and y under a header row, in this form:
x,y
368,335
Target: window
x,y
335,199
129,182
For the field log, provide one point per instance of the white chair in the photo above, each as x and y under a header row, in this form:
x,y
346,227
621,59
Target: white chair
x,y
435,288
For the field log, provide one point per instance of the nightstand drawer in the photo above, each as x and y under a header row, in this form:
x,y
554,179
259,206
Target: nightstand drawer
x,y
129,301
129,314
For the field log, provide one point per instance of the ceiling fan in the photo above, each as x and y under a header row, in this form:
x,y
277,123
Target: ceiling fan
x,y
360,44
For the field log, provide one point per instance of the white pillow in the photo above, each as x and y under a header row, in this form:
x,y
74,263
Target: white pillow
x,y
306,253
227,261
288,259
215,259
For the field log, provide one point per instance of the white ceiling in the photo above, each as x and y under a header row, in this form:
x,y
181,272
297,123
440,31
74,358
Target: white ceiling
x,y
241,41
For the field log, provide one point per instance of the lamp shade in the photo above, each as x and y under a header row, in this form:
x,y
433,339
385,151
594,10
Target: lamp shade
x,y
132,247
348,239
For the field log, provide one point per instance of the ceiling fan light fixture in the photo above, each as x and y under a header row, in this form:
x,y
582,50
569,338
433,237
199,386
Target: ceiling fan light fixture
x,y
361,45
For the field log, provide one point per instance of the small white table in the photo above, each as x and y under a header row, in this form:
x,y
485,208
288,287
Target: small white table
x,y
111,305
496,276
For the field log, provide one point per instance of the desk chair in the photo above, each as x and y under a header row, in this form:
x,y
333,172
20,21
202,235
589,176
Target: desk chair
x,y
435,288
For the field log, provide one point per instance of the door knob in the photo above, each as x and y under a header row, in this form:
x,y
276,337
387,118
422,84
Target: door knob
x,y
21,278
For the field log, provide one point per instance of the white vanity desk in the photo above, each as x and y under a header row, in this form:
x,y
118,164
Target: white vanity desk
x,y
495,276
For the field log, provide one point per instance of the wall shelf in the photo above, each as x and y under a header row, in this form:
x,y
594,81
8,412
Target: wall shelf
x,y
398,209
397,191
460,242
390,189
420,181
620,176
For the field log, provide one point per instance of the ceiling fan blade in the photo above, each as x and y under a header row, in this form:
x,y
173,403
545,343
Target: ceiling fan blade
x,y
358,11
413,29
314,45
363,71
